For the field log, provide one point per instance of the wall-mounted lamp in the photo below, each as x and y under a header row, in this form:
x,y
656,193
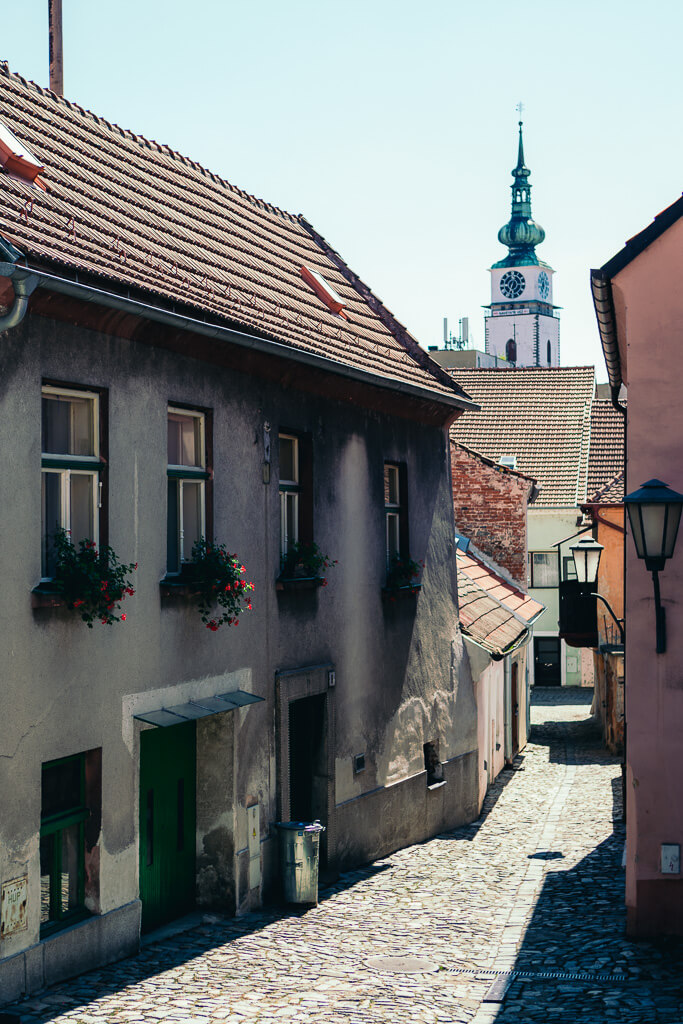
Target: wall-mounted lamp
x,y
654,512
587,559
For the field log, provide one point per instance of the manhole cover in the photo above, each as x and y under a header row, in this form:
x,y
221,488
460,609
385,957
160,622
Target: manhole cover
x,y
401,964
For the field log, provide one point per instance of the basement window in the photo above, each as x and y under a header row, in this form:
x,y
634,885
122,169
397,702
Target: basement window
x,y
17,160
433,765
324,291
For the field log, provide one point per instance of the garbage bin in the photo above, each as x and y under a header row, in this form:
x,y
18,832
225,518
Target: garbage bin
x,y
299,855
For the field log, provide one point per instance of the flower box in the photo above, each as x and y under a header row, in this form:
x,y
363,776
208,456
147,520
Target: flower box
x,y
407,590
299,582
44,596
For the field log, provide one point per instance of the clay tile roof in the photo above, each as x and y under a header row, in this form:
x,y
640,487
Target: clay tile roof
x,y
134,214
539,414
612,493
606,458
493,612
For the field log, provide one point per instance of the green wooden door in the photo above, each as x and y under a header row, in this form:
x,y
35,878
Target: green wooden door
x,y
167,823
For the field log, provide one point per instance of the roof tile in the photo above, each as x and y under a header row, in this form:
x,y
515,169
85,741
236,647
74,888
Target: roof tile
x,y
606,460
133,212
539,414
493,612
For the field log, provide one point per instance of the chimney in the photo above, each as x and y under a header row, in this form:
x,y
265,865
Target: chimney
x,y
56,56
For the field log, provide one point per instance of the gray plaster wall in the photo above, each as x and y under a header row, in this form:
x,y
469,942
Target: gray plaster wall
x,y
68,689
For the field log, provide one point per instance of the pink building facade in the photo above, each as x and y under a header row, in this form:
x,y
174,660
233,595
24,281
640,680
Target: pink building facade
x,y
639,305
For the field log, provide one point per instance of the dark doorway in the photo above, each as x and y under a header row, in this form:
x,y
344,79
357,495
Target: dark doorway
x,y
167,823
308,762
514,701
547,661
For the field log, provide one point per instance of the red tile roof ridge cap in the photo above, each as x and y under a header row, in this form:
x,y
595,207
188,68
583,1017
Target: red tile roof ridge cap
x,y
142,140
396,328
521,369
595,499
492,462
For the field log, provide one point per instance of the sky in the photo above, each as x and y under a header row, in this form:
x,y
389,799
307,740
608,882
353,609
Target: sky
x,y
392,125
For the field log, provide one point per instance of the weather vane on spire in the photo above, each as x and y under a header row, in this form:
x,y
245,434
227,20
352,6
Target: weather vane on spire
x,y
520,109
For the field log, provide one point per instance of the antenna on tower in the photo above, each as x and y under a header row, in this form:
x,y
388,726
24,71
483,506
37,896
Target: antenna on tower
x,y
461,340
520,109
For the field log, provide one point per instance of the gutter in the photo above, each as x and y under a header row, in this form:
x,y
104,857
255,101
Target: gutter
x,y
98,296
25,283
601,287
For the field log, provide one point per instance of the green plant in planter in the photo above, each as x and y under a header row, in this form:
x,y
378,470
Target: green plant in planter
x,y
217,578
305,560
403,572
93,583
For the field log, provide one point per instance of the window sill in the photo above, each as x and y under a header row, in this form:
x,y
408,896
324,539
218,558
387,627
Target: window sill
x,y
45,595
392,593
178,586
299,582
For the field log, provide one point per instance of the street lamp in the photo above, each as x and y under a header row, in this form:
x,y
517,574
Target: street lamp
x,y
587,559
654,512
586,555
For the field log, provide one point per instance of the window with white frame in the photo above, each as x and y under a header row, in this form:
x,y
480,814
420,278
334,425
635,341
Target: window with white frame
x,y
70,468
393,511
544,569
290,488
187,476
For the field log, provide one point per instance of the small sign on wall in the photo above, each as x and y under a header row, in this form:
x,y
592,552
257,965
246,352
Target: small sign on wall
x,y
13,901
671,859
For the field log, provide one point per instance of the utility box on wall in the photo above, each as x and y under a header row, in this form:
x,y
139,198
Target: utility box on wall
x,y
254,845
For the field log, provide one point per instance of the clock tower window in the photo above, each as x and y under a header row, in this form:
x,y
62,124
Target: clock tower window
x,y
511,351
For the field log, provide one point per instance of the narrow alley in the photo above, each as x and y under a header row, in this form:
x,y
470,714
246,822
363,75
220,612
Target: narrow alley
x,y
516,917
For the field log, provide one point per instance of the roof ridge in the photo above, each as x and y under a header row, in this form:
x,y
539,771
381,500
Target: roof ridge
x,y
617,478
492,462
142,140
584,452
396,328
522,369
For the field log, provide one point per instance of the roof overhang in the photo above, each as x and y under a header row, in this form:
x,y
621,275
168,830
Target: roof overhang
x,y
601,287
495,610
191,710
88,292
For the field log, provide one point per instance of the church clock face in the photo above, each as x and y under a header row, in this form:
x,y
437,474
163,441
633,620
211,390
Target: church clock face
x,y
512,284
543,284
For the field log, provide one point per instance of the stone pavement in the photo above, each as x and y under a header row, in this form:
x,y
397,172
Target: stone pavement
x,y
534,887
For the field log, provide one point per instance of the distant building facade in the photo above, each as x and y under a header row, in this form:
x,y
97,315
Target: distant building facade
x,y
537,422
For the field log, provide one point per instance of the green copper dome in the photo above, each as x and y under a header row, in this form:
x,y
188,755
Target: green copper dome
x,y
521,234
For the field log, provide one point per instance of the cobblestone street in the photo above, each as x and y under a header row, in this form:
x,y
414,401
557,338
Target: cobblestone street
x,y
534,887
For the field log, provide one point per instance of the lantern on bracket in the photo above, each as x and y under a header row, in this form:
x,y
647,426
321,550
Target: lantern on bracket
x,y
654,512
587,559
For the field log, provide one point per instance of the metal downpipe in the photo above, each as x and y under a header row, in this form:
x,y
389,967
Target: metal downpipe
x,y
24,284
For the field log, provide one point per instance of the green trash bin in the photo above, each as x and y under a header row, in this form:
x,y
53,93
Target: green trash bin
x,y
299,857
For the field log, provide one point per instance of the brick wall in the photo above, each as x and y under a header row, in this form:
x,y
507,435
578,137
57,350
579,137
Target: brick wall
x,y
489,504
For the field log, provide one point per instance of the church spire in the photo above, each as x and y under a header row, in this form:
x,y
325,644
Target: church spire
x,y
520,152
521,234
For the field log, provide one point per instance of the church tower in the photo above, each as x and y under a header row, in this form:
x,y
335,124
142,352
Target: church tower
x,y
522,325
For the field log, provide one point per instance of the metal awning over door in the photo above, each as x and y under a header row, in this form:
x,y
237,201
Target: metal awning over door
x,y
200,707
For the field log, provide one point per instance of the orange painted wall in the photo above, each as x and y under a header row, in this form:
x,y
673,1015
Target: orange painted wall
x,y
611,572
